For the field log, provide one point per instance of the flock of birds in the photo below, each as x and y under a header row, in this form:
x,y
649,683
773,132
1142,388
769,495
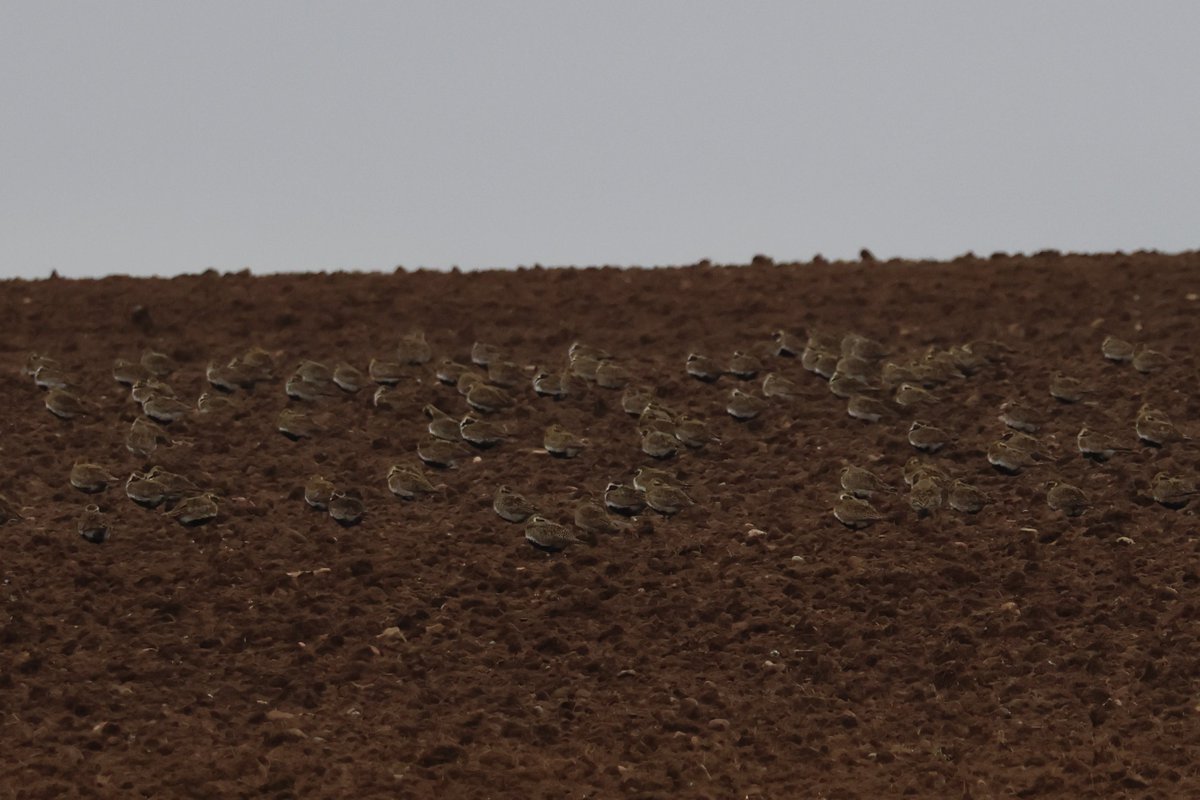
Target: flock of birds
x,y
930,486
856,369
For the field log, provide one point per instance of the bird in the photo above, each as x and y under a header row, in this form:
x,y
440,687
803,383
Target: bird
x,y
1147,361
1018,416
965,498
1008,458
257,364
968,361
388,398
925,496
855,513
312,380
823,342
414,349
160,365
1115,349
505,374
623,499
314,371
583,366
703,368
915,469
787,344
937,368
854,367
583,361
693,433
91,478
867,409
742,406
657,416
441,425
144,437
927,437
658,444
487,399
196,510
561,443
65,405
298,387
892,374
863,347
35,362
346,508
52,377
744,365
989,350
385,373
317,491
408,482
775,385
209,403
1154,428
174,485
166,410
909,395
581,350
128,373
92,525
482,354
547,536
666,499
1097,446
1066,389
611,375
143,390
590,517
635,399
1172,492
440,453
225,377
144,491
549,384
512,507
348,377
481,433
449,371
644,476
862,483
823,364
296,425
1064,497
845,385
146,388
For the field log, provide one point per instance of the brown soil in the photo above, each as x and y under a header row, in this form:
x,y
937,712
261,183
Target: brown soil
x,y
429,652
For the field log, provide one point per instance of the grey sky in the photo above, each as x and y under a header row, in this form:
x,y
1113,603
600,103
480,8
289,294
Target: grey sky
x,y
164,137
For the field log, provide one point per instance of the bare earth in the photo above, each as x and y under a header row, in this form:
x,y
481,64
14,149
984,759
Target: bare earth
x,y
749,647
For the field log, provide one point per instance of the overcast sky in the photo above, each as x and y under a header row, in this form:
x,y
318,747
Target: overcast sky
x,y
165,137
